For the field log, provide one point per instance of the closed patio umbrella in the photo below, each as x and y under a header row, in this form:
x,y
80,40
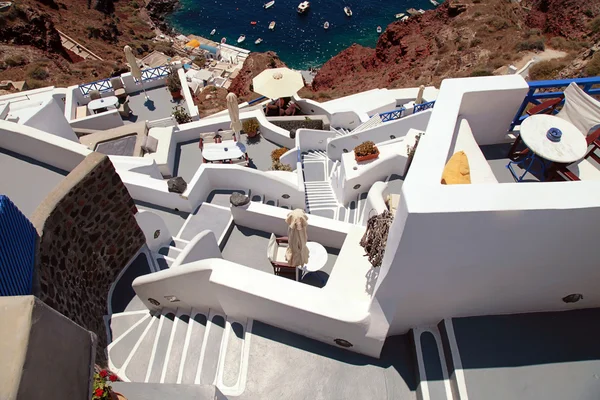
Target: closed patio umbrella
x,y
278,82
419,98
135,69
234,114
297,253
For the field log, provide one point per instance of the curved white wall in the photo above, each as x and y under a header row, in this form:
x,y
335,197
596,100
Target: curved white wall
x,y
153,225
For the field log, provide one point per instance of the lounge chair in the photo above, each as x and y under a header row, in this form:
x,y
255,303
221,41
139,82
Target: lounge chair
x,y
124,109
94,95
118,87
206,137
276,254
582,170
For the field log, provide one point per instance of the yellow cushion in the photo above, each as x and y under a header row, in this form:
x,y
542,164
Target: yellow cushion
x,y
457,170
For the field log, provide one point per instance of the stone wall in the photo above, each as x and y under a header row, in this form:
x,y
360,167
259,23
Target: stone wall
x,y
88,233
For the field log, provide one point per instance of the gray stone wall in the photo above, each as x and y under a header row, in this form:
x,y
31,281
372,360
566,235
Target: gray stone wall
x,y
88,233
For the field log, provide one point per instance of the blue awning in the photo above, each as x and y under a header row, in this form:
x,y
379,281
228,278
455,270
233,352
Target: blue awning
x,y
210,49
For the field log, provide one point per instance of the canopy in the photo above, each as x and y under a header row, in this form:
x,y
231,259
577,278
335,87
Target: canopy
x,y
234,114
131,60
278,82
193,43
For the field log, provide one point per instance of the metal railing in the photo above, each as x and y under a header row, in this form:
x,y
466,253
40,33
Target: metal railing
x,y
101,86
423,106
261,98
152,74
538,92
392,115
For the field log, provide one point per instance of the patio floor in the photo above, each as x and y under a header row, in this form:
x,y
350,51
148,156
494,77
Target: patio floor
x,y
188,156
160,106
248,247
496,155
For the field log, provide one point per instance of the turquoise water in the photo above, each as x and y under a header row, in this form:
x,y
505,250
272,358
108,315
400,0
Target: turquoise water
x,y
299,40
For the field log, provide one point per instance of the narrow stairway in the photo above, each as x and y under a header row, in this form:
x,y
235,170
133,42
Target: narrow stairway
x,y
180,347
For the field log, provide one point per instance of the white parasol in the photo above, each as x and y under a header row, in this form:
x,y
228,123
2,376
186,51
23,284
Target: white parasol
x,y
135,69
234,114
278,82
297,253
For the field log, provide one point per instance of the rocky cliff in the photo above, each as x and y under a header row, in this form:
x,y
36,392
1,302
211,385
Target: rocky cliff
x,y
27,26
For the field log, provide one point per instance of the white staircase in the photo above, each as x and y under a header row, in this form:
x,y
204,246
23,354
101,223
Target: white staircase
x,y
339,131
372,122
180,347
167,255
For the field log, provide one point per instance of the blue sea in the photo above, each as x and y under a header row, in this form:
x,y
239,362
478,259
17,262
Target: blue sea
x,y
299,40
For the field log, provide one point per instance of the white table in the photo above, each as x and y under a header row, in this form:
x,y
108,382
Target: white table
x,y
105,102
317,258
226,150
571,147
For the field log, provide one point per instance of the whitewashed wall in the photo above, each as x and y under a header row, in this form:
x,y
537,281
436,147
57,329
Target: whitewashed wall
x,y
204,245
49,118
105,120
151,223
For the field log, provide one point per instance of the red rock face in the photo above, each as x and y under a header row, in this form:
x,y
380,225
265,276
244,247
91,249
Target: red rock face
x,y
566,18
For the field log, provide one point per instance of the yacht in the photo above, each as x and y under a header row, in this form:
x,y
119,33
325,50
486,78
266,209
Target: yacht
x,y
326,25
241,38
272,25
348,11
378,29
303,7
213,32
399,15
258,41
269,4
435,3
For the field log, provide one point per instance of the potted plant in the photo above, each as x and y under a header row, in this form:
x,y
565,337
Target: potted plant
x,y
174,85
277,153
181,115
410,151
366,151
250,127
102,386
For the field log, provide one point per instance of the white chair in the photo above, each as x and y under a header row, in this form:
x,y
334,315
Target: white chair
x,y
276,254
580,109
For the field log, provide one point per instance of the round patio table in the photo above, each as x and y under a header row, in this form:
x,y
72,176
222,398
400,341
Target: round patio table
x,y
317,258
98,104
226,150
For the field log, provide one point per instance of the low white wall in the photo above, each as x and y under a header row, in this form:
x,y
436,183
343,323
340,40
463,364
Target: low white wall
x,y
151,223
378,134
312,139
328,232
311,107
204,245
375,204
199,187
140,165
347,119
50,149
290,157
132,87
155,191
100,122
187,95
49,118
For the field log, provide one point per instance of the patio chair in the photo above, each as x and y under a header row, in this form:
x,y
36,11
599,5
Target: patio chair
x,y
117,85
94,95
124,109
276,255
580,109
206,137
582,170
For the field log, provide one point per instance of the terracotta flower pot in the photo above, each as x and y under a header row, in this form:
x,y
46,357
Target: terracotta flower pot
x,y
176,95
252,134
368,157
117,396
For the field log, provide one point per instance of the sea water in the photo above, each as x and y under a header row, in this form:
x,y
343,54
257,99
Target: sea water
x,y
299,40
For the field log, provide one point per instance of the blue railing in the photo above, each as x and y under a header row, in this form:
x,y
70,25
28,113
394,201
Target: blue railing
x,y
538,92
261,98
392,115
423,106
152,74
101,86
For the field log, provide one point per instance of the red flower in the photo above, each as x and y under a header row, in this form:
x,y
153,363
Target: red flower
x,y
98,392
103,373
113,377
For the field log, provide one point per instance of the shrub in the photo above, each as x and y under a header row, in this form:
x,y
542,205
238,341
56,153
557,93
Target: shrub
x,y
365,148
532,44
593,66
272,63
475,42
35,84
482,72
200,61
166,49
102,385
250,126
277,166
546,70
594,24
37,72
181,115
173,82
277,153
14,61
560,43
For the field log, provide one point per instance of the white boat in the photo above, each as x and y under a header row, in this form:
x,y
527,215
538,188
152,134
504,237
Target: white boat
x,y
241,38
258,41
213,32
269,4
400,15
272,25
435,3
421,11
405,18
326,25
378,29
303,7
348,11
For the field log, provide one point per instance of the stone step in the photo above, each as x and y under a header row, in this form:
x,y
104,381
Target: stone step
x,y
171,252
161,344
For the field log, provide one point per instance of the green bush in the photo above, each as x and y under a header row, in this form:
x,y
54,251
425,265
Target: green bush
x,y
531,45
475,42
593,66
546,70
277,166
37,72
594,24
560,43
482,72
14,61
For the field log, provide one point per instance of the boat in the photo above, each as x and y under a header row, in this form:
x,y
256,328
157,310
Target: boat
x,y
326,25
213,32
400,15
435,3
241,38
269,4
303,7
412,11
272,25
378,29
348,11
258,41
421,11
404,19
252,22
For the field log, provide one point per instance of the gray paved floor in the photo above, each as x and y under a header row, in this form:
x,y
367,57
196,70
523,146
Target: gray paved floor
x,y
496,155
249,247
26,181
283,365
173,219
207,217
259,151
531,356
124,297
160,106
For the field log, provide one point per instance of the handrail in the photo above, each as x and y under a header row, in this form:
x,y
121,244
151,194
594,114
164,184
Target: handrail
x,y
392,115
151,74
534,97
423,106
102,85
261,98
